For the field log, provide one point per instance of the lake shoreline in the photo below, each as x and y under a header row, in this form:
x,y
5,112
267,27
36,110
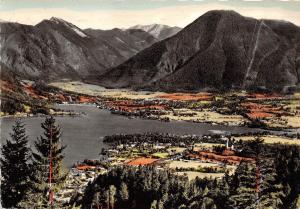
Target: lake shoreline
x,y
82,135
80,114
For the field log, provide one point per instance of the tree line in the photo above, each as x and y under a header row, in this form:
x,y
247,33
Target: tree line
x,y
165,138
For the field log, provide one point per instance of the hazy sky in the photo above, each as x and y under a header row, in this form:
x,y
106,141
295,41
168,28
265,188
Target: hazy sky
x,y
106,14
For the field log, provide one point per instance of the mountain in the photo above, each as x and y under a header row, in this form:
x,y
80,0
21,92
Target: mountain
x,y
158,31
220,49
58,49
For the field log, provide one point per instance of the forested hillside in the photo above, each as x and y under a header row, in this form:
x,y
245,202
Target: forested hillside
x,y
271,182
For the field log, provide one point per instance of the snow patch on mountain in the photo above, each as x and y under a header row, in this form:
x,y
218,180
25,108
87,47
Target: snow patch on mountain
x,y
80,33
157,30
120,40
69,25
153,29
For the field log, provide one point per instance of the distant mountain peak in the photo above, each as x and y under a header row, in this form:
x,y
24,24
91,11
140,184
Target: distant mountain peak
x,y
151,26
69,25
57,20
159,31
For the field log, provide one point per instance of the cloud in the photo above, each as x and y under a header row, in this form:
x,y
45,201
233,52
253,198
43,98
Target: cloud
x,y
174,16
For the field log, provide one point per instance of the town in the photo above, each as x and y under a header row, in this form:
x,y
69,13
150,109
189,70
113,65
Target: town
x,y
209,156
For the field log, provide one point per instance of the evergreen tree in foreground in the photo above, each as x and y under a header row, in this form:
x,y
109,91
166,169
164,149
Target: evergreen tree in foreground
x,y
49,149
15,167
244,194
271,192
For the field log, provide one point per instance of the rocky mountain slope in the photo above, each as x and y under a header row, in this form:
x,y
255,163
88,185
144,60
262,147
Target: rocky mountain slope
x,y
158,31
220,49
56,49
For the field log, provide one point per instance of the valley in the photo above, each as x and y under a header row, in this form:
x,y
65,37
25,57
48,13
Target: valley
x,y
237,108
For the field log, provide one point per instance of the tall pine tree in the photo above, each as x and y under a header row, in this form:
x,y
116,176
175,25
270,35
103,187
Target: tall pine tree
x,y
271,192
48,158
15,167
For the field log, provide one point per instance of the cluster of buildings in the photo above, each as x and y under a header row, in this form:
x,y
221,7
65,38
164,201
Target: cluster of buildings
x,y
76,182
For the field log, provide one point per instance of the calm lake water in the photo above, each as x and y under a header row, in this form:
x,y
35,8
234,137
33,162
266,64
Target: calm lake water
x,y
82,135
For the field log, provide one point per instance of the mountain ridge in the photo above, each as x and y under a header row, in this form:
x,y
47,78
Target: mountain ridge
x,y
220,49
55,48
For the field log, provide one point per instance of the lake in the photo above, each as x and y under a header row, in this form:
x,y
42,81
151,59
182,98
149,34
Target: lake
x,y
82,134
